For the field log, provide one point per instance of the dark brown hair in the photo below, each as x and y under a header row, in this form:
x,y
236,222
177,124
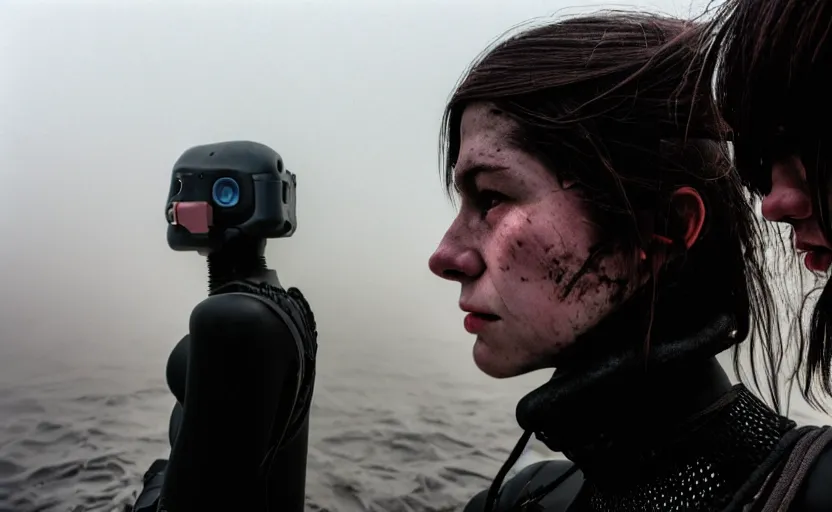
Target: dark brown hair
x,y
773,60
602,100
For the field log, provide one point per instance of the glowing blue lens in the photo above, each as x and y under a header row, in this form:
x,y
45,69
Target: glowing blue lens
x,y
226,192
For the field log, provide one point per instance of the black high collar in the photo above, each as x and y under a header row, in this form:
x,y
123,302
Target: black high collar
x,y
636,426
623,393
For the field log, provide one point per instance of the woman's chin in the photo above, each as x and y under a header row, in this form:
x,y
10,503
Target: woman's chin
x,y
495,363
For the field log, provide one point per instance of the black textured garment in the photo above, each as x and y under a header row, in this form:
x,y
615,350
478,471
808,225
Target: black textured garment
x,y
676,438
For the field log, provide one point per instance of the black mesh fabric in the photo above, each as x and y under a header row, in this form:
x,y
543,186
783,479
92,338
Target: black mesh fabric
x,y
702,470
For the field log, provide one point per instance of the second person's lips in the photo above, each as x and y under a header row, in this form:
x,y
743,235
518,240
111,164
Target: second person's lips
x,y
818,258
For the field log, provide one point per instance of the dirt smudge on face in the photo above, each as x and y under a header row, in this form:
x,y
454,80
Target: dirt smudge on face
x,y
588,274
618,284
590,264
555,275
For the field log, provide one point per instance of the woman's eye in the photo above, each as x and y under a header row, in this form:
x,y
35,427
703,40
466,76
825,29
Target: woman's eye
x,y
486,200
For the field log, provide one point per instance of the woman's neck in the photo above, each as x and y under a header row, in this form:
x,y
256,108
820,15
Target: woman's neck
x,y
614,395
641,427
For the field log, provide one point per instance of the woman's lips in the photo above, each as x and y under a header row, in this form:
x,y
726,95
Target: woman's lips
x,y
475,322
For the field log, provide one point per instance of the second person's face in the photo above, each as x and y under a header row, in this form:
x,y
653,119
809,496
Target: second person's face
x,y
790,201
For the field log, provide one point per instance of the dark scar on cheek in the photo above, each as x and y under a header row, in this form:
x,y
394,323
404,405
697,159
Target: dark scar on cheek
x,y
588,264
591,265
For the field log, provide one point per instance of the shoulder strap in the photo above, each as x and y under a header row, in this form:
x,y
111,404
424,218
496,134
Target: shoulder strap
x,y
794,472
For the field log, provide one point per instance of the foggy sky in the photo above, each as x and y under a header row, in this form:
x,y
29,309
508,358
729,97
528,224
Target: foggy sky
x,y
98,99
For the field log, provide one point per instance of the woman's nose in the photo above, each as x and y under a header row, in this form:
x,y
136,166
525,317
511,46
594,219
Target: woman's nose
x,y
455,262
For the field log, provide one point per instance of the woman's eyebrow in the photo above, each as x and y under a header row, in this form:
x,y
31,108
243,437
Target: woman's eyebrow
x,y
465,179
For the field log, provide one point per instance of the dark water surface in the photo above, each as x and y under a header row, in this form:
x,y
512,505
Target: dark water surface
x,y
391,431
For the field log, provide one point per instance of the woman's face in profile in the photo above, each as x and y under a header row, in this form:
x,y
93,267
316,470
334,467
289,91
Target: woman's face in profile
x,y
789,200
519,248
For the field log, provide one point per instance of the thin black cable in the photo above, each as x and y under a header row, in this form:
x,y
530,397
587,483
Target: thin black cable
x,y
494,490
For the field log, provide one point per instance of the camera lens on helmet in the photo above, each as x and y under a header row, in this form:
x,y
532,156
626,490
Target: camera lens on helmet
x,y
226,192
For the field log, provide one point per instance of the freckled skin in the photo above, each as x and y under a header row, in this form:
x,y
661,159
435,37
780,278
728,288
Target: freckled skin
x,y
527,258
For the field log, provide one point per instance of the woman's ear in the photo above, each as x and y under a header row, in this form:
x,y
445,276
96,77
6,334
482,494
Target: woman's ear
x,y
690,215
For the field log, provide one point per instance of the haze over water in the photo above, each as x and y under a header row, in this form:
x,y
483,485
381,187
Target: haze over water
x,y
98,100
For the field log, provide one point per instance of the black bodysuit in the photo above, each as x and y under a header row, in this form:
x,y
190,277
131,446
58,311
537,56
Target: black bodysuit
x,y
243,379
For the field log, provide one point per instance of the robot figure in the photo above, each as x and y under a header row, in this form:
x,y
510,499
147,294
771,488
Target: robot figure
x,y
243,377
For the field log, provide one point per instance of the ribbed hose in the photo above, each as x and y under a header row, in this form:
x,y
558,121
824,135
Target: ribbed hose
x,y
237,261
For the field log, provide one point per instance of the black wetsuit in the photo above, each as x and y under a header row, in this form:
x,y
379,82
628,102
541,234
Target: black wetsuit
x,y
677,438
